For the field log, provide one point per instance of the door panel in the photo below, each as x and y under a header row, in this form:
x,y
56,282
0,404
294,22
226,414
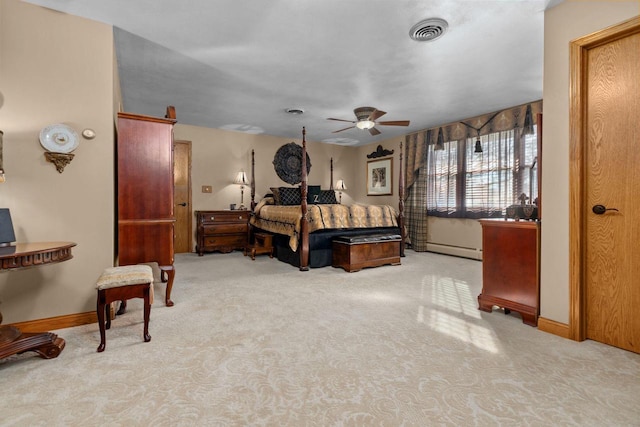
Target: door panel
x,y
182,196
612,159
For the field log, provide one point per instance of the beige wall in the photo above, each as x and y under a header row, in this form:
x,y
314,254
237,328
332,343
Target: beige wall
x,y
56,68
563,23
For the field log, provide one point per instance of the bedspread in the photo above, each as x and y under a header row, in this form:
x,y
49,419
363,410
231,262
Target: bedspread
x,y
286,219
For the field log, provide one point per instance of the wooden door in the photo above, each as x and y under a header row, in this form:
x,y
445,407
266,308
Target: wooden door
x,y
182,196
609,295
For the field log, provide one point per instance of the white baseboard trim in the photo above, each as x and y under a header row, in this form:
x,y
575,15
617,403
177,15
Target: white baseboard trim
x,y
472,253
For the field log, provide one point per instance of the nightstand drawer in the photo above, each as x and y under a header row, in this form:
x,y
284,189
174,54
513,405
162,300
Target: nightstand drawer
x,y
230,241
216,217
224,229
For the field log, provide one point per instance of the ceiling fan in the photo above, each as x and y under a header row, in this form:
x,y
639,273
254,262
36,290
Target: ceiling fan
x,y
366,119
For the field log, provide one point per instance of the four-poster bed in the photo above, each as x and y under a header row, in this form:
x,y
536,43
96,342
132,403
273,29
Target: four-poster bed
x,y
303,231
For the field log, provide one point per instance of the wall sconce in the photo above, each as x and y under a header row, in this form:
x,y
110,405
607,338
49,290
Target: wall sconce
x,y
241,180
340,187
2,178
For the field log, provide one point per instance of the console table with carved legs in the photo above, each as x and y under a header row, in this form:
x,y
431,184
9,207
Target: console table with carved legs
x,y
25,255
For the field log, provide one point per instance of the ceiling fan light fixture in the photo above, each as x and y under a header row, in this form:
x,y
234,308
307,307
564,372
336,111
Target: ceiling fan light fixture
x,y
365,124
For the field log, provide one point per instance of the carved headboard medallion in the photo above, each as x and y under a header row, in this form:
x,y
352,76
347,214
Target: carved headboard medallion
x,y
288,163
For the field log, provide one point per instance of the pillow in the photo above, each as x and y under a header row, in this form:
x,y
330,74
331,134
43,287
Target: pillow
x,y
289,196
276,195
263,202
327,197
313,194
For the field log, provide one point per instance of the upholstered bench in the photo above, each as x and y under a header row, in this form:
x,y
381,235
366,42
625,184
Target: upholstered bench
x,y
121,284
354,253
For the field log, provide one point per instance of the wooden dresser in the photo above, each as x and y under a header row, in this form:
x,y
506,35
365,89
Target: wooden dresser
x,y
221,231
510,267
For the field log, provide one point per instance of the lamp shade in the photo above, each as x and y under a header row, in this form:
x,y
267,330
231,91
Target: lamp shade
x,y
340,185
241,178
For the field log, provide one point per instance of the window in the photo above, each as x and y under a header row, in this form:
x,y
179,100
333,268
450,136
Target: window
x,y
465,184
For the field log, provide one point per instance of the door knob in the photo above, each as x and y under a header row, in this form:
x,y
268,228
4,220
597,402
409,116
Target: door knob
x,y
182,204
600,209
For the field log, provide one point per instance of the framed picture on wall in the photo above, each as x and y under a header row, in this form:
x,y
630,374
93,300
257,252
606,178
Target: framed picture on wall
x,y
380,177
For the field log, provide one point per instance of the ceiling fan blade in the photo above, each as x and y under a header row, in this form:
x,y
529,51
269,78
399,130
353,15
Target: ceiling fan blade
x,y
376,114
341,120
394,123
340,130
374,131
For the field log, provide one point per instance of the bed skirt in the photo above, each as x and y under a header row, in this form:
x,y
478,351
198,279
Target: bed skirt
x,y
320,252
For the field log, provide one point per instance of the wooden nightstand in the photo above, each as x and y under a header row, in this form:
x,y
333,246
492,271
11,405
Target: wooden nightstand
x,y
221,231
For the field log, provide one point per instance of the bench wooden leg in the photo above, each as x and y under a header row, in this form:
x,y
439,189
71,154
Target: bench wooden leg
x,y
147,314
100,309
121,293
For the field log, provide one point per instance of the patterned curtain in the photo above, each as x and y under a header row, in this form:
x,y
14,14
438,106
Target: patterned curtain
x,y
416,191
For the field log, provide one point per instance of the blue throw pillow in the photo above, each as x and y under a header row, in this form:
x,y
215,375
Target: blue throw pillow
x,y
289,196
327,197
313,194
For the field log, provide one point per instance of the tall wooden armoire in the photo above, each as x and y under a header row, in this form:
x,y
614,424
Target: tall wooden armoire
x,y
145,192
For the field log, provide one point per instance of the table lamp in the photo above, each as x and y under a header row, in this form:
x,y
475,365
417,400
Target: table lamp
x,y
340,186
241,180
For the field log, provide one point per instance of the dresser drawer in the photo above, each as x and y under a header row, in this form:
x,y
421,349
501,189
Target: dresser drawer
x,y
216,217
229,228
230,241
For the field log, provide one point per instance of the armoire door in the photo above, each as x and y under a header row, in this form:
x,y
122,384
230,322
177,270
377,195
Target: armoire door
x,y
611,202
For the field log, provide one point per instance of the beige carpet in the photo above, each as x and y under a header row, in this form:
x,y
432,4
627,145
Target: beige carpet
x,y
263,344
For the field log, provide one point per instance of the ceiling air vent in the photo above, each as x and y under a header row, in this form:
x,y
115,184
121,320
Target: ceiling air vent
x,y
428,30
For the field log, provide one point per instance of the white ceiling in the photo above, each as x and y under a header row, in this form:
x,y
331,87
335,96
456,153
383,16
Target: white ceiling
x,y
239,64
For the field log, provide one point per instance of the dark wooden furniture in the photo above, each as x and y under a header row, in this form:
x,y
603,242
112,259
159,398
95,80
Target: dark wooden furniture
x,y
262,244
120,284
221,230
353,253
145,192
303,251
510,270
23,255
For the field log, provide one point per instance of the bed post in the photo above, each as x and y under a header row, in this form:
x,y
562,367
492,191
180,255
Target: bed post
x,y
304,225
401,204
331,181
253,181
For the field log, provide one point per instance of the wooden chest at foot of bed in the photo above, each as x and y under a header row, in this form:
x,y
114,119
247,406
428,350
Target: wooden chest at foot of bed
x,y
354,253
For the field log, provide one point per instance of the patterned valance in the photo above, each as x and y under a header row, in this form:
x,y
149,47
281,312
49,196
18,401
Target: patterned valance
x,y
516,117
522,116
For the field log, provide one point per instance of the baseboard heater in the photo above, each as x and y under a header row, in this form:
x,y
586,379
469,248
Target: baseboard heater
x,y
472,253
